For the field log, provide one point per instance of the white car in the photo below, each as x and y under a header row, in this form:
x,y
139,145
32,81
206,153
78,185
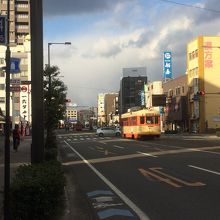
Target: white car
x,y
108,131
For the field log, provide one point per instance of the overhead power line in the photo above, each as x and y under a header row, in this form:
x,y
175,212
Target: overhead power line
x,y
191,6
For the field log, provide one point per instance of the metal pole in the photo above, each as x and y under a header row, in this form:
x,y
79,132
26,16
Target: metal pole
x,y
36,17
48,60
7,122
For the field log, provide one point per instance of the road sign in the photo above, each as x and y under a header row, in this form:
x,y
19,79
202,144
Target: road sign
x,y
15,65
24,88
3,30
15,81
15,89
167,65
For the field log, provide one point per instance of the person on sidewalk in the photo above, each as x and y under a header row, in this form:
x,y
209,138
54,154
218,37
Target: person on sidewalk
x,y
16,137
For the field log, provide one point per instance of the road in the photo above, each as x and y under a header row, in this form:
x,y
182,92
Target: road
x,y
174,177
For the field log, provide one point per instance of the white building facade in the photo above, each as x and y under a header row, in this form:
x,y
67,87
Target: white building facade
x,y
20,98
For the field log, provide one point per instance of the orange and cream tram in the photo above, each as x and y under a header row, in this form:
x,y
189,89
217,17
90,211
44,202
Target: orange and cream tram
x,y
140,124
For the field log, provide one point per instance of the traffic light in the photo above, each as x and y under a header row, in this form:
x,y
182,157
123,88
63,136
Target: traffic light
x,y
201,93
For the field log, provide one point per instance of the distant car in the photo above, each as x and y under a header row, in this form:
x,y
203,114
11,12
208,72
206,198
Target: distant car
x,y
108,131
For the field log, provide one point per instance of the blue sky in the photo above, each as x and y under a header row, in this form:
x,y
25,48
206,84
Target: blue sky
x,y
108,35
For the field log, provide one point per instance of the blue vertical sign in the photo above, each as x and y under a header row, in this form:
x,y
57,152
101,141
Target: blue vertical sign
x,y
3,30
142,98
167,65
15,65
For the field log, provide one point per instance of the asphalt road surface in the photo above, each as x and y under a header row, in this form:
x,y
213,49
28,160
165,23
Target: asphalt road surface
x,y
170,178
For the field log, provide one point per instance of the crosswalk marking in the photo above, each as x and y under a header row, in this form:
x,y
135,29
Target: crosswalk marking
x,y
72,138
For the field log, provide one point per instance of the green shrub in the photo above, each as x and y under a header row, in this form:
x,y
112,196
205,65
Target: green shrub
x,y
37,191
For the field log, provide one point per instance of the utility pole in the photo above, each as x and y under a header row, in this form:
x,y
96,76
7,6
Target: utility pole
x,y
7,122
36,17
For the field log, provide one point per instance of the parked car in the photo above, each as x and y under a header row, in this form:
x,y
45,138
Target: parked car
x,y
108,131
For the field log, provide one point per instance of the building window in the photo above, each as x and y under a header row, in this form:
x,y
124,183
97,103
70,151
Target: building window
x,y
178,91
2,74
2,86
183,89
171,92
196,53
2,99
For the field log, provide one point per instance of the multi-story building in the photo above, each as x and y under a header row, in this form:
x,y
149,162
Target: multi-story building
x,y
101,109
151,89
71,114
154,97
19,19
19,40
86,117
110,107
203,67
21,100
107,108
115,113
176,110
132,88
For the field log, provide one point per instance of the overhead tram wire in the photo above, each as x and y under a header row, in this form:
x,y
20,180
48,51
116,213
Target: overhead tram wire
x,y
191,6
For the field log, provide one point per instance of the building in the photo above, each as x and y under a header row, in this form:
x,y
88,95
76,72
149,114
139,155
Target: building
x,y
136,71
154,98
110,107
101,109
71,114
203,67
151,89
20,101
19,19
86,117
115,113
132,88
107,104
176,110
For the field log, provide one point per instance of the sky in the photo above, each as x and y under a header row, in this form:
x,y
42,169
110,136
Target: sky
x,y
109,35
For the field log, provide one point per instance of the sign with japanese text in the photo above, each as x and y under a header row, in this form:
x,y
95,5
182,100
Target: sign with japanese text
x,y
3,30
25,102
15,65
167,65
15,81
208,59
142,98
15,89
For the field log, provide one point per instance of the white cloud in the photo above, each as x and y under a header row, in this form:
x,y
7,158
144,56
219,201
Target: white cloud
x,y
94,62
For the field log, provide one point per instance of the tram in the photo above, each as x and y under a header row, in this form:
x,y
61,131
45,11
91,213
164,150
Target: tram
x,y
141,124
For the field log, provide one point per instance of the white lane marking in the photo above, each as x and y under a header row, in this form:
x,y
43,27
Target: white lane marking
x,y
163,145
137,210
210,171
211,152
118,146
146,154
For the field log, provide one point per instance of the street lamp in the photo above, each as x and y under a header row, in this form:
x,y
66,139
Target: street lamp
x,y
49,80
49,44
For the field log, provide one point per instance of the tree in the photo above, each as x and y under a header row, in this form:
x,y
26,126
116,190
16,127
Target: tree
x,y
54,104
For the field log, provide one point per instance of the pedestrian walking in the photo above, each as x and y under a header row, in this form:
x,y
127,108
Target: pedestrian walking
x,y
16,137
